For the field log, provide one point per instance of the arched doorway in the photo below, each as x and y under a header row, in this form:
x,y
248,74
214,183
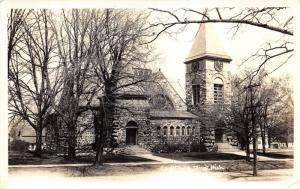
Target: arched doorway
x,y
220,136
131,133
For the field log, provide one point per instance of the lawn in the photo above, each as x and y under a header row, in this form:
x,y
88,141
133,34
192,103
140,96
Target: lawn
x,y
31,158
121,170
278,155
201,156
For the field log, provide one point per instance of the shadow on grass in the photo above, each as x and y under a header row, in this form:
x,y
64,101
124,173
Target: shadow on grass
x,y
202,156
33,158
276,155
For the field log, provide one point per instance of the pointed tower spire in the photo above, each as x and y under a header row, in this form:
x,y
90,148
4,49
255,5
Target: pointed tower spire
x,y
207,45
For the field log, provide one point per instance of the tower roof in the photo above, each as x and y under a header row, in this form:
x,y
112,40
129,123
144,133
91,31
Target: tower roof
x,y
207,45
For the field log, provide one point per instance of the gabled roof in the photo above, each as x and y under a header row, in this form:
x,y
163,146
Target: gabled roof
x,y
169,90
179,114
207,44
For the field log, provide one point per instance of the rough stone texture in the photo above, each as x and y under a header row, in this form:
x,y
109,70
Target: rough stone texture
x,y
56,136
205,50
136,108
136,111
158,139
208,112
168,89
85,132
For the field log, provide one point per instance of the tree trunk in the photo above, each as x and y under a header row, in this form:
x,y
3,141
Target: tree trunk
x,y
103,122
99,140
99,154
254,157
72,141
247,142
38,138
269,140
263,138
248,152
254,141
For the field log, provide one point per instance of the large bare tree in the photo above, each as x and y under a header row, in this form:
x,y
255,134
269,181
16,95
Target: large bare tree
x,y
31,62
120,48
73,34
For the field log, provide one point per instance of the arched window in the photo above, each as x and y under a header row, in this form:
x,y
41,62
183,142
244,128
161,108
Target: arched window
x,y
177,131
193,131
218,90
165,130
196,91
188,132
183,131
158,129
131,124
171,131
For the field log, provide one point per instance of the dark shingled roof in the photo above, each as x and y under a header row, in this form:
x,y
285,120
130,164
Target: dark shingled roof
x,y
172,114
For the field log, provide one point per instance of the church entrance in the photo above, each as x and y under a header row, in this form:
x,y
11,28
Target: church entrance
x,y
131,133
219,136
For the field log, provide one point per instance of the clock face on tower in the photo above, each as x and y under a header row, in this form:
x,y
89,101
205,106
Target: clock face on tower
x,y
218,66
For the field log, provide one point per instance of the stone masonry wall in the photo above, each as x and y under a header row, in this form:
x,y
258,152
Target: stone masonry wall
x,y
85,132
208,112
137,111
180,140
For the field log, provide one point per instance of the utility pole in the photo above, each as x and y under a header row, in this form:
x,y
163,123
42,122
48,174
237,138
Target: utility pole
x,y
252,108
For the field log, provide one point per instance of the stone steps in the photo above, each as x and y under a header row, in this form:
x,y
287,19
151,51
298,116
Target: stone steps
x,y
225,147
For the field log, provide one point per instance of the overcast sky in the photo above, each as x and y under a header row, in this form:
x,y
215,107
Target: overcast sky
x,y
246,42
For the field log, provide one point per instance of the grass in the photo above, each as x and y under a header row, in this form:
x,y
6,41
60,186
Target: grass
x,y
202,156
121,170
32,158
211,162
277,155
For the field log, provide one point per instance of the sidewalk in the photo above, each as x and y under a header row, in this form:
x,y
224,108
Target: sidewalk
x,y
157,160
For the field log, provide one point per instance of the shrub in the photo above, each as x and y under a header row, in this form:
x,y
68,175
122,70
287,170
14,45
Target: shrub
x,y
198,146
214,148
18,145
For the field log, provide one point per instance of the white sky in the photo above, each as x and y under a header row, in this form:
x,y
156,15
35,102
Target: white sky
x,y
246,42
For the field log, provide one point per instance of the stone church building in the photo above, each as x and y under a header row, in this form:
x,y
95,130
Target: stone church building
x,y
163,121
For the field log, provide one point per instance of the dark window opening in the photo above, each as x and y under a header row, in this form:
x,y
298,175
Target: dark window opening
x,y
171,131
188,130
218,93
177,131
183,131
158,130
165,131
196,94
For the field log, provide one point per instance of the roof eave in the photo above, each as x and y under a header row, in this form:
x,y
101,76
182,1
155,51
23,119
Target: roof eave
x,y
224,58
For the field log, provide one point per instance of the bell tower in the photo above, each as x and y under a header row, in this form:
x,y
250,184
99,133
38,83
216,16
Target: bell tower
x,y
208,81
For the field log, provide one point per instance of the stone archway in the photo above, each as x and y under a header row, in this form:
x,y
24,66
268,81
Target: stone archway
x,y
131,133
